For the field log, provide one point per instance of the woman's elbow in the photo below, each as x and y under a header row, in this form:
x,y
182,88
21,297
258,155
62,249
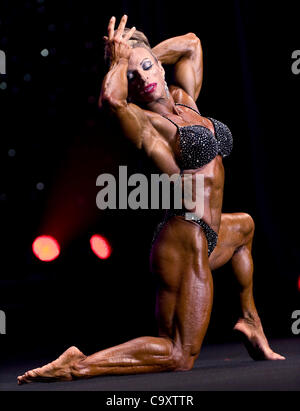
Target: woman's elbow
x,y
194,40
192,36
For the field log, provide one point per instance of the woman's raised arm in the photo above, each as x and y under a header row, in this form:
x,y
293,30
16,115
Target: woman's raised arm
x,y
185,53
134,123
114,89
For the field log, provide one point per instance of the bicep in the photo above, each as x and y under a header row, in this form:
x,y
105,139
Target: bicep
x,y
138,128
161,154
132,120
188,71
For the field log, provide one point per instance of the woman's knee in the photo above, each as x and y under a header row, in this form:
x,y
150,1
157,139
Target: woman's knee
x,y
248,225
244,226
247,229
185,362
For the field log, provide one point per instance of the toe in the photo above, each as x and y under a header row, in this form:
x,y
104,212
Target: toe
x,y
280,357
31,374
21,379
275,356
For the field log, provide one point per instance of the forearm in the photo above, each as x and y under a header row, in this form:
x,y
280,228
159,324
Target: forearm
x,y
115,84
170,51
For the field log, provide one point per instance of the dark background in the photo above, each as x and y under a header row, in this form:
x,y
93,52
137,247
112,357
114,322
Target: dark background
x,y
49,117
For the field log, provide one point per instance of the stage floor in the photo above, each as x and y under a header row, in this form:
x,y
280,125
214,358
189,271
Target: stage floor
x,y
222,367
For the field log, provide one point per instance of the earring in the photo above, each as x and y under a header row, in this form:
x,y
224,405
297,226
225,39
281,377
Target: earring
x,y
167,89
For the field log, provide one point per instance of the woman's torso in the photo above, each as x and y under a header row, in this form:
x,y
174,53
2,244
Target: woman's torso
x,y
193,140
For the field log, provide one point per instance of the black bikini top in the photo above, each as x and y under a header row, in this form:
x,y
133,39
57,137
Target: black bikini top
x,y
199,146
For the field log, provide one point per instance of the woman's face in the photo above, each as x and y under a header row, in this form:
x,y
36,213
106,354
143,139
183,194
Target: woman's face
x,y
145,76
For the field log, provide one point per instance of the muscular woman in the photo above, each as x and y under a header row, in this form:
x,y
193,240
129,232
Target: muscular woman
x,y
166,123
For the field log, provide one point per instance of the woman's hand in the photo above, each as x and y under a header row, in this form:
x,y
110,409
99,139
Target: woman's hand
x,y
117,42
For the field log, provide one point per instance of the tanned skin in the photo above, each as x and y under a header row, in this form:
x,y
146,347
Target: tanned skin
x,y
179,257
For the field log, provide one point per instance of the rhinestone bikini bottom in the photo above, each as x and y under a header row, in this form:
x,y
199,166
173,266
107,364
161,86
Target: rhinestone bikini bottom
x,y
211,235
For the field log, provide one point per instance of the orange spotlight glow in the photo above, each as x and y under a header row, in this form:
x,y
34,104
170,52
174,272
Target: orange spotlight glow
x,y
100,246
45,248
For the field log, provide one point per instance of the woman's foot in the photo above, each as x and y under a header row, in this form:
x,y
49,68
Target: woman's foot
x,y
58,370
251,331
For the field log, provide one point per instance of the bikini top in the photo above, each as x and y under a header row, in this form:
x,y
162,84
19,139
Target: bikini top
x,y
199,146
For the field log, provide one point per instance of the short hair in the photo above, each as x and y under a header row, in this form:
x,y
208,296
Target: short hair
x,y
138,39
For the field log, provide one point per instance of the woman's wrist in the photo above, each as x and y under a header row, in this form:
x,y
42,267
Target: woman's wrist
x,y
118,61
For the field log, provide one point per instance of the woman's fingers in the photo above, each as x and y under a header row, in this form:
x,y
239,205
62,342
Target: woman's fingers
x,y
111,28
118,34
121,27
129,34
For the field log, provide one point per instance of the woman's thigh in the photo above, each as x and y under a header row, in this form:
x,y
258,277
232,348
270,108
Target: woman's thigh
x,y
179,260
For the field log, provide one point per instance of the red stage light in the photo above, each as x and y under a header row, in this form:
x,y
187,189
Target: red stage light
x,y
45,248
100,246
299,283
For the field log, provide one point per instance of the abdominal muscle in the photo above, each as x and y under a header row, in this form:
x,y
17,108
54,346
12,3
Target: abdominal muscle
x,y
213,191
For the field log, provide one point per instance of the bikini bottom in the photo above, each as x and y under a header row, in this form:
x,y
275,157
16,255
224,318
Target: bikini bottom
x,y
211,235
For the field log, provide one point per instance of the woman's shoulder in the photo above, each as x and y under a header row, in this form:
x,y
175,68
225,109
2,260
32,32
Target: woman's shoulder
x,y
179,96
153,116
182,97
